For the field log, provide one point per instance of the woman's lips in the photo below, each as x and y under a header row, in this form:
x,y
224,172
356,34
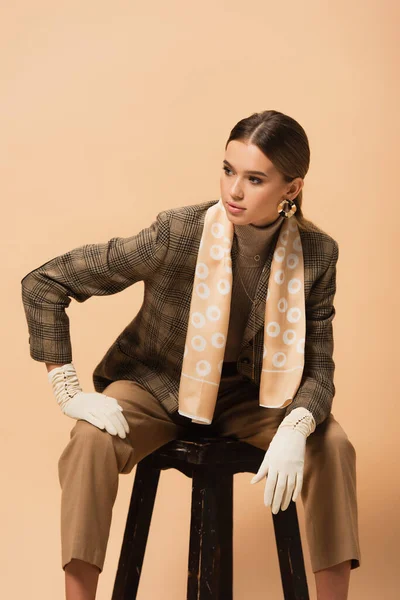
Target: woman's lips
x,y
234,210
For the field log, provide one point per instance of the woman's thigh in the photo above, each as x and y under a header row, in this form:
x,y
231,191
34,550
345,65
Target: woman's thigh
x,y
238,414
150,425
328,444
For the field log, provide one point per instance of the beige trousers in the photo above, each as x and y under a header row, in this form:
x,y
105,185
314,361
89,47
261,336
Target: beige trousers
x,y
92,460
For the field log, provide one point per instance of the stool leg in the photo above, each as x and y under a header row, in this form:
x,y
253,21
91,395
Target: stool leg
x,y
290,554
225,525
210,548
136,531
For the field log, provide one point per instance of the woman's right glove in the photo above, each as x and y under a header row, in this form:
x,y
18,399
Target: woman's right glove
x,y
98,409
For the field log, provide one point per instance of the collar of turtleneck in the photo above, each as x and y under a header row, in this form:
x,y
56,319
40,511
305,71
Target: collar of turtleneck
x,y
252,243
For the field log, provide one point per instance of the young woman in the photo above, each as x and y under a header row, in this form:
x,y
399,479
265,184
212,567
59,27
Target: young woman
x,y
234,338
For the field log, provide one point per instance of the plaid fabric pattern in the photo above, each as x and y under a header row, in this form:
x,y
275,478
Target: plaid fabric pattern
x,y
150,348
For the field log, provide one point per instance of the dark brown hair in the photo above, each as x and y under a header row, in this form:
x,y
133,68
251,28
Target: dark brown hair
x,y
283,141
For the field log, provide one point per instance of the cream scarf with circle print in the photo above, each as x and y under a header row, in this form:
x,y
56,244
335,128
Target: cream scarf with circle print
x,y
284,324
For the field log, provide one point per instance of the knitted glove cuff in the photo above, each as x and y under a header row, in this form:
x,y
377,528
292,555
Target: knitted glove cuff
x,y
65,384
299,419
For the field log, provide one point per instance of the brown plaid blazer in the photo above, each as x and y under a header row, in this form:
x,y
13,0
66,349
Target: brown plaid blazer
x,y
150,348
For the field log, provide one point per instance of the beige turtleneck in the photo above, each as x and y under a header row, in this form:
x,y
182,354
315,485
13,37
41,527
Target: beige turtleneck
x,y
251,248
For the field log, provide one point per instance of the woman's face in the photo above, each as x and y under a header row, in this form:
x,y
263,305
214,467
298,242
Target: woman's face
x,y
257,193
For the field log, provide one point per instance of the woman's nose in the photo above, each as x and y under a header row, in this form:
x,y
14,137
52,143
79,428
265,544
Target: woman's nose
x,y
236,189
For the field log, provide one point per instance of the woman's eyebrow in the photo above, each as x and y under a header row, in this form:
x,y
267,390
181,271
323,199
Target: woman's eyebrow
x,y
225,162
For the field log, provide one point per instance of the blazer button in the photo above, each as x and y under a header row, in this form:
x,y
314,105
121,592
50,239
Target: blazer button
x,y
245,360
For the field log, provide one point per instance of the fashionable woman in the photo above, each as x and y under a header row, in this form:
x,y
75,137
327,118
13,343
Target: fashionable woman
x,y
234,338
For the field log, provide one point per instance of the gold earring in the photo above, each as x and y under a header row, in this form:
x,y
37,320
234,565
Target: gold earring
x,y
290,212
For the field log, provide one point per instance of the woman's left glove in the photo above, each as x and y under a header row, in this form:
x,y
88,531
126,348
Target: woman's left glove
x,y
284,459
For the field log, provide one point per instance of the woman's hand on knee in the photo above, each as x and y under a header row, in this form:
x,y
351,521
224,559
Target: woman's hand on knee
x,y
98,409
102,411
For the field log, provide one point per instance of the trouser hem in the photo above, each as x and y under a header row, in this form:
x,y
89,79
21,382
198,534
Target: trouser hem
x,y
96,558
355,562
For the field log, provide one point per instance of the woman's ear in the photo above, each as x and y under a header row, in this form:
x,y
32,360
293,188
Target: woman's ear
x,y
295,187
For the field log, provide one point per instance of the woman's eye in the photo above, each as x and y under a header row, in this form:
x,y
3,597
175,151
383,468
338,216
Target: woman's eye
x,y
254,180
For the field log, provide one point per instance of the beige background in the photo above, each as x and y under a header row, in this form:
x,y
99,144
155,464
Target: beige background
x,y
111,112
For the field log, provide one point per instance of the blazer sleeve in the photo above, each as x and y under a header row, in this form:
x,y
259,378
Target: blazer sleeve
x,y
89,270
317,389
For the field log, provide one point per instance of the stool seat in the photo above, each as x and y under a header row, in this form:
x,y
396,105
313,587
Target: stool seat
x,y
227,454
211,462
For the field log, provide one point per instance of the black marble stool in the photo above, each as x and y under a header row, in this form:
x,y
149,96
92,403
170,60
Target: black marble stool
x,y
211,463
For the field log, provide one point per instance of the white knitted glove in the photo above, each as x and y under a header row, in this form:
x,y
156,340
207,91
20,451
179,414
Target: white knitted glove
x,y
98,409
284,459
